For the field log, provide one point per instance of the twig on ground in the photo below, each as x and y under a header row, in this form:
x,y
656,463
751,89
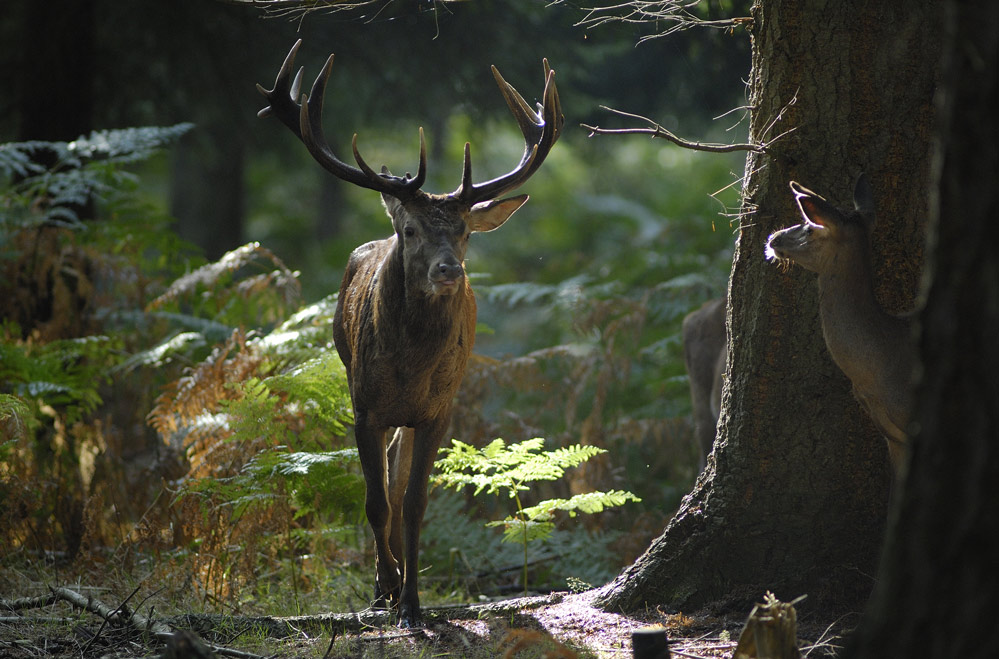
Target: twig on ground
x,y
107,618
118,616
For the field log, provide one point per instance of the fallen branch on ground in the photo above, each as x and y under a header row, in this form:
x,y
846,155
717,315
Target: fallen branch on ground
x,y
176,630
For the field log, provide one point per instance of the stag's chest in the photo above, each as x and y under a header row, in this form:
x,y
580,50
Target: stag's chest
x,y
406,373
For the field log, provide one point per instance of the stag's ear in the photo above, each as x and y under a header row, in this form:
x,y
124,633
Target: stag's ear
x,y
490,215
392,207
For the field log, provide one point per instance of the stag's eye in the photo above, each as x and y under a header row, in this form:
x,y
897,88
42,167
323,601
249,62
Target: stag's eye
x,y
409,232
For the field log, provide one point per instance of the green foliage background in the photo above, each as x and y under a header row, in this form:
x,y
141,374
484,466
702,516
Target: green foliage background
x,y
165,402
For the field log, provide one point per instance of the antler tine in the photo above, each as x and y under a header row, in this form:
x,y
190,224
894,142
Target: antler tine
x,y
315,140
283,99
529,121
466,171
415,183
311,121
540,134
305,120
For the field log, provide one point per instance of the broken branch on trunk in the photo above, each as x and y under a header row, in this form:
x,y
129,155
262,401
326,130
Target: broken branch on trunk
x,y
656,130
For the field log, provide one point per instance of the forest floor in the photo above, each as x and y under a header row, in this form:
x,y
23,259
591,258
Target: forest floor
x,y
70,623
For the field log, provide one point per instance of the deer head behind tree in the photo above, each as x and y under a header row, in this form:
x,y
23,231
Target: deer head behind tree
x,y
873,348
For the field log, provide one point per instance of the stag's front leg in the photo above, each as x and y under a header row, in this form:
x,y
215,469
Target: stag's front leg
x,y
426,441
371,451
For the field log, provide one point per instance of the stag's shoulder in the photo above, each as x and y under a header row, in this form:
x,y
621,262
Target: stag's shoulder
x,y
367,258
372,251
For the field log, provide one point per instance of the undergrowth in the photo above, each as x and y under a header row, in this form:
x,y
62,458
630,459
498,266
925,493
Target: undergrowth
x,y
190,421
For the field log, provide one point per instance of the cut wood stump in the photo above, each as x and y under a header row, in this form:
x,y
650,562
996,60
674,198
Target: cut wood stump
x,y
771,632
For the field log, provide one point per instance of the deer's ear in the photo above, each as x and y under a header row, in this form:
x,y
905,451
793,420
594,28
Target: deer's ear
x,y
863,198
492,214
391,204
814,208
863,201
393,207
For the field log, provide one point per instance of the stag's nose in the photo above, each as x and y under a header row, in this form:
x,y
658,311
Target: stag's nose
x,y
451,271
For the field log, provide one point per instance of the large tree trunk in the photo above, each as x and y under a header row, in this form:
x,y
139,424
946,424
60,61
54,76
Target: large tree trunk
x,y
794,498
939,590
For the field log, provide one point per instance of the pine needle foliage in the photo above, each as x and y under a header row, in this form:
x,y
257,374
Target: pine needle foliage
x,y
501,469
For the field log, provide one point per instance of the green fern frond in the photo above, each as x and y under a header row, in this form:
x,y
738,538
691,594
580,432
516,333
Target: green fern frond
x,y
207,276
497,468
66,373
16,418
126,145
518,531
302,462
590,502
16,161
164,352
86,169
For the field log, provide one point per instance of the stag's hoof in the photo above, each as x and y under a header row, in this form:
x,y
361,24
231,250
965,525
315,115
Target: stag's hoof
x,y
384,599
410,617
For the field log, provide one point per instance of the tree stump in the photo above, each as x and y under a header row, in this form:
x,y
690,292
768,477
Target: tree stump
x,y
771,632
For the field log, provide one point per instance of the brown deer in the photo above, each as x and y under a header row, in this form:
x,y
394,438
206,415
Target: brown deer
x,y
873,348
405,317
703,333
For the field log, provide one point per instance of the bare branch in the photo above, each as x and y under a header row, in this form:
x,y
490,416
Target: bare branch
x,y
656,130
299,8
667,16
119,617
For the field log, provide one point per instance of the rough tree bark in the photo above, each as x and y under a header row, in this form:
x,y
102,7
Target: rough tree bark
x,y
794,499
938,589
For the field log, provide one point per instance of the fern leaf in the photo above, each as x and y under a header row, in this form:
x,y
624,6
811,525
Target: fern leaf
x,y
126,144
590,502
207,275
163,354
519,531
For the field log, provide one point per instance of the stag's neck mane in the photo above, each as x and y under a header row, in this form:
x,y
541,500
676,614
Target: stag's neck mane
x,y
434,322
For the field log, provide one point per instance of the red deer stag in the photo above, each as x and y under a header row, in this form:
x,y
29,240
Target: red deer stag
x,y
873,348
405,318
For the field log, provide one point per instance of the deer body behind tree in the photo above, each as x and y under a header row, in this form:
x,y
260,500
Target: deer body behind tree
x,y
872,347
704,344
405,319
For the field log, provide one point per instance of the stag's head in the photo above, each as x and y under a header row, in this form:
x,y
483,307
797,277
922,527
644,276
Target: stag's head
x,y
431,229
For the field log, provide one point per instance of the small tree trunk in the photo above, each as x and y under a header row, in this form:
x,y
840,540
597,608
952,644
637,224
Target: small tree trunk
x,y
794,497
207,189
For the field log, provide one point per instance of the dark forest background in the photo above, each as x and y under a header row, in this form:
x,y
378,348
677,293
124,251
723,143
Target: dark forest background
x,y
170,290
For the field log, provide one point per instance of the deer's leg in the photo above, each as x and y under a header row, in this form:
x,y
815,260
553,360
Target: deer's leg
x,y
426,441
371,451
400,457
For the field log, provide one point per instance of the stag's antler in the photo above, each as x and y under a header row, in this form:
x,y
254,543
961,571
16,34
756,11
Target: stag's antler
x,y
541,129
305,120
